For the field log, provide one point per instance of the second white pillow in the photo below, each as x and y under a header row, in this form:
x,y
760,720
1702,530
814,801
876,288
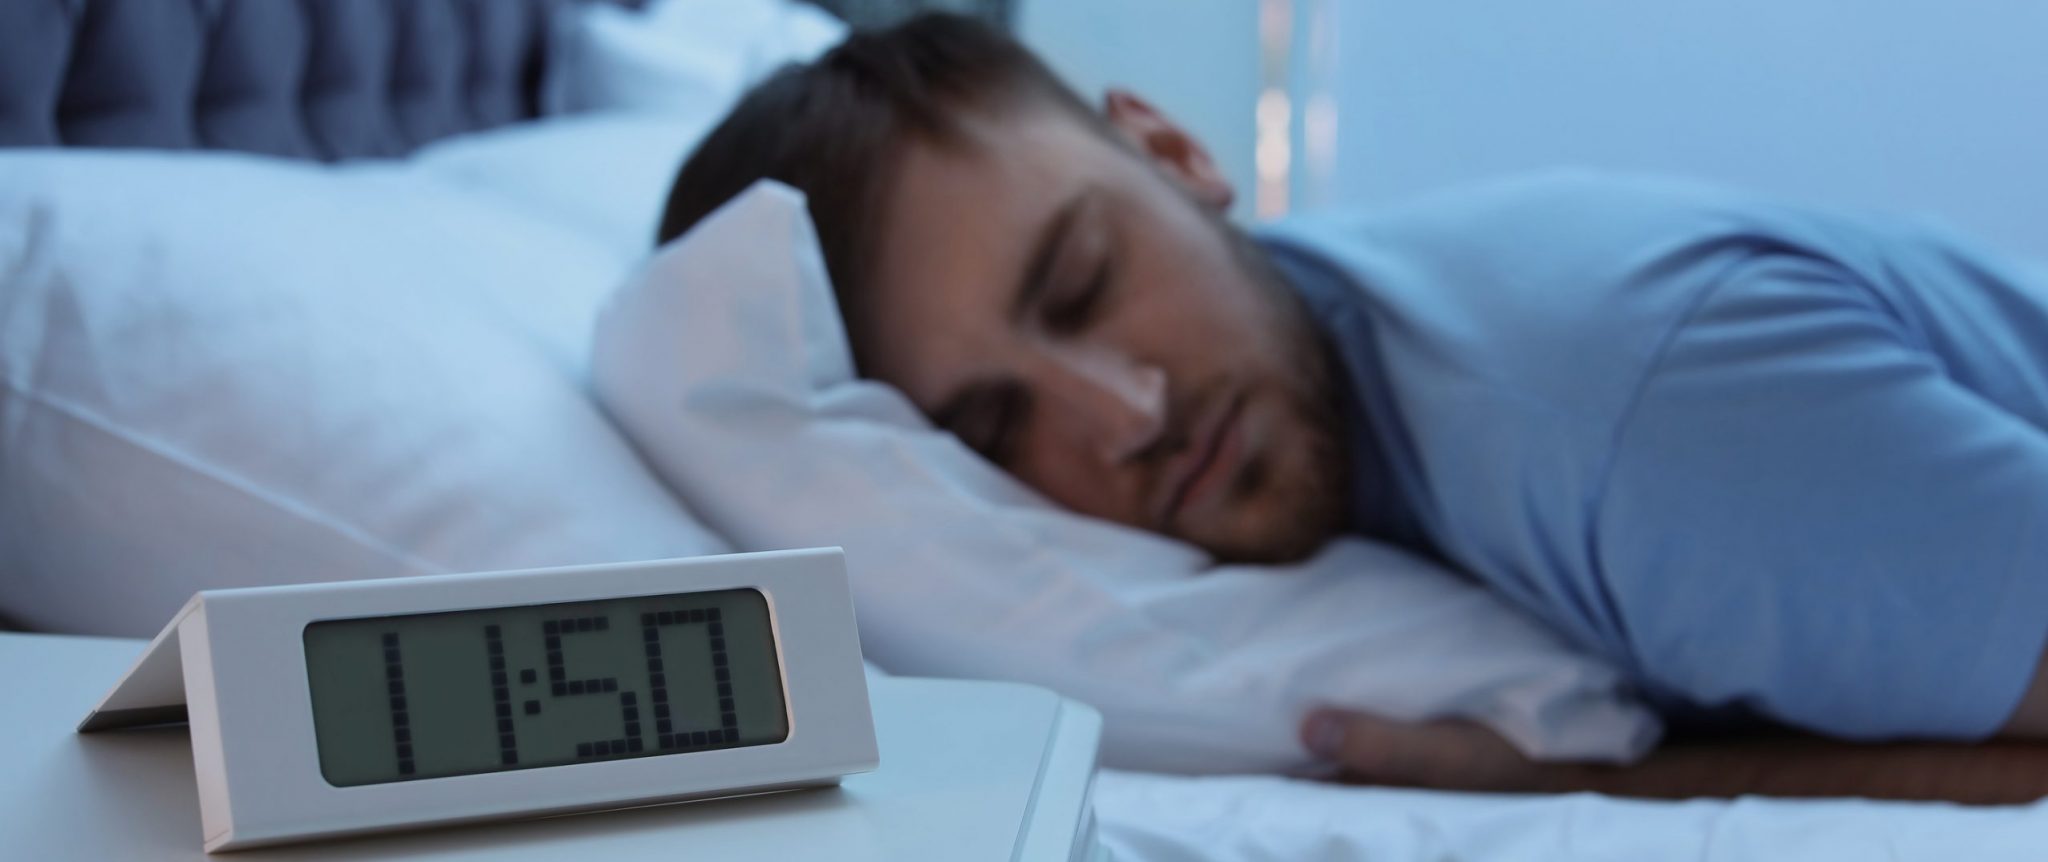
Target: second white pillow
x,y
724,358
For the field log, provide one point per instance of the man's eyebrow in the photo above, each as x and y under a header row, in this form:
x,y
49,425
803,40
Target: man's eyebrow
x,y
1044,250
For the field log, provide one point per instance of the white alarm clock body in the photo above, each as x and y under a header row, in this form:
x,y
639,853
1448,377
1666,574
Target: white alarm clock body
x,y
310,717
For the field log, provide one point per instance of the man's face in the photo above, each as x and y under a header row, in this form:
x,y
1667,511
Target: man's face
x,y
1077,311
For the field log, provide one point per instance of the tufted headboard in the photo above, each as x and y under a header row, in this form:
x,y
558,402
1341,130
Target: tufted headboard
x,y
313,79
316,79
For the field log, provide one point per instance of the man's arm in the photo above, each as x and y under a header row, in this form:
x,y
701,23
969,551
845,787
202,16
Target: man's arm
x,y
1810,514
2030,719
1458,755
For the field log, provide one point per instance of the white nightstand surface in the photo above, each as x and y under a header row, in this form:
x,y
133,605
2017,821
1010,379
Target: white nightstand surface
x,y
970,771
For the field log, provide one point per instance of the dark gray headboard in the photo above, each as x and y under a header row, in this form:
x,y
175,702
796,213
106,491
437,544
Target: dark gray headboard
x,y
316,79
313,79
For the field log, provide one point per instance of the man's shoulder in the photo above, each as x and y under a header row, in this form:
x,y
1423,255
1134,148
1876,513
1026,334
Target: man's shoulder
x,y
1553,210
1533,271
1514,322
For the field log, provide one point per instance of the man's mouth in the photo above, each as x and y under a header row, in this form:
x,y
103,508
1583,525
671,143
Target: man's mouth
x,y
1203,469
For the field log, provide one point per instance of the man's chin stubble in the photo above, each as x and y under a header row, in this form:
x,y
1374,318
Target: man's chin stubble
x,y
1289,524
1300,519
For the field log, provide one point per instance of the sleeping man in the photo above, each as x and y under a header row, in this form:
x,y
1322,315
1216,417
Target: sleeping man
x,y
1784,468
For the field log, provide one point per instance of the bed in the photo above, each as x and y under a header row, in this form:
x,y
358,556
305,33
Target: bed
x,y
405,96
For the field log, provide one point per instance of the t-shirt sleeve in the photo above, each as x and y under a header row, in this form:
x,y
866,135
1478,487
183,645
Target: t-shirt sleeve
x,y
1807,516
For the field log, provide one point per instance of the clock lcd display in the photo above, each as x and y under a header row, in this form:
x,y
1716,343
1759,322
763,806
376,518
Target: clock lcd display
x,y
430,695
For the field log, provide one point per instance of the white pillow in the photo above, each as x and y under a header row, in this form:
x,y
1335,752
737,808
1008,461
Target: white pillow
x,y
606,176
687,56
221,370
724,358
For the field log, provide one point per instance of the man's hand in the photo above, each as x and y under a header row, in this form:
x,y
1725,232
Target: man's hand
x,y
1461,755
1441,755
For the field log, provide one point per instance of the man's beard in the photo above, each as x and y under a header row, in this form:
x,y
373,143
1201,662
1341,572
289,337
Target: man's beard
x,y
1292,513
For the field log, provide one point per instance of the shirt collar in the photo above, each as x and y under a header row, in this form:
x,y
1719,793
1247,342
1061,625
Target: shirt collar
x,y
1340,310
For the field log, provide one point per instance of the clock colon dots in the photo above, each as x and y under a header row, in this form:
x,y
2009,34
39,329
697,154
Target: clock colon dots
x,y
457,693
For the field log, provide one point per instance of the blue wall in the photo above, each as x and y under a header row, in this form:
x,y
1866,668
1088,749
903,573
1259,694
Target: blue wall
x,y
1197,60
1903,105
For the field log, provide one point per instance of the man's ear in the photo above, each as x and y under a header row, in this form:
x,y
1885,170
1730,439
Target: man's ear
x,y
1169,146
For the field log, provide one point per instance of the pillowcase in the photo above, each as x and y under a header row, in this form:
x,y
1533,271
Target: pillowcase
x,y
724,358
606,176
222,370
677,56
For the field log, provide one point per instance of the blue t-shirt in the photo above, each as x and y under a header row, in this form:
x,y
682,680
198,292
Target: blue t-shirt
x,y
1766,459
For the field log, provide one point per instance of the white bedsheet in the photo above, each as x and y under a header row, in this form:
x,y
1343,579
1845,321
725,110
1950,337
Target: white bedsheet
x,y
1154,818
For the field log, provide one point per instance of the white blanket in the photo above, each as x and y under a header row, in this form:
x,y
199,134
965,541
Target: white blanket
x,y
1153,818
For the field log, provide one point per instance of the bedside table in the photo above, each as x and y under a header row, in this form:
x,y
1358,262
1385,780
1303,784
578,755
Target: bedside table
x,y
970,771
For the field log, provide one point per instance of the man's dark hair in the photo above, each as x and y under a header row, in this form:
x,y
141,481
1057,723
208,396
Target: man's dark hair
x,y
832,128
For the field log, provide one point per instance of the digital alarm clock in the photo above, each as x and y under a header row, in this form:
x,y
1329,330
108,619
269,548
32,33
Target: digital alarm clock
x,y
333,709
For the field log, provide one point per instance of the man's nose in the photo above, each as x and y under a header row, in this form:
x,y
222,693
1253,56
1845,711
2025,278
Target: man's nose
x,y
1115,404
